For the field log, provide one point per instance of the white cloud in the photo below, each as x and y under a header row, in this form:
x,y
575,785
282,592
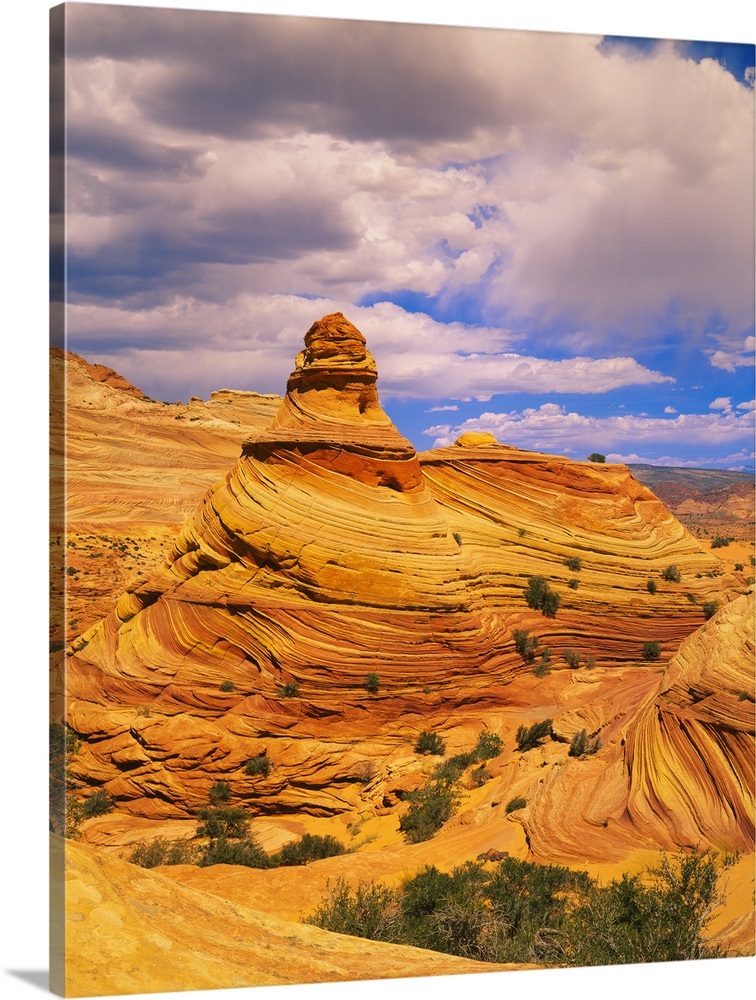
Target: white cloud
x,y
441,409
749,405
731,360
553,428
670,409
721,403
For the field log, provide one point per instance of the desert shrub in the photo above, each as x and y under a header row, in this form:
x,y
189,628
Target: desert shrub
x,y
597,457
525,644
720,542
542,668
671,574
480,776
581,745
571,658
651,650
489,745
573,563
739,567
590,662
651,585
226,686
258,766
219,792
518,802
290,690
245,851
574,583
539,596
430,743
97,804
709,609
164,852
430,807
372,683
530,736
223,822
369,911
742,696
310,847
451,770
457,537
521,532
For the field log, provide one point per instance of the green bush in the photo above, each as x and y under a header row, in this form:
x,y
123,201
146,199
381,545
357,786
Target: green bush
x,y
97,804
581,745
739,567
540,597
597,457
571,658
542,668
310,847
651,650
651,585
430,807
219,792
671,574
720,543
574,583
430,743
164,852
525,644
518,802
223,822
489,745
245,851
372,683
369,911
258,766
457,537
709,609
531,736
226,686
573,563
290,690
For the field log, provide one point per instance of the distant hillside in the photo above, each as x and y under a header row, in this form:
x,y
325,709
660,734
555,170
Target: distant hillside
x,y
691,480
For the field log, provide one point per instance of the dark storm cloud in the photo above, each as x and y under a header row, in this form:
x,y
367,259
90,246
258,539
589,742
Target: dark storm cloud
x,y
236,75
102,143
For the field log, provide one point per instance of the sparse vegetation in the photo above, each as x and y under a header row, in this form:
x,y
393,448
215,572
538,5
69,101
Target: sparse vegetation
x,y
310,847
597,457
581,745
489,745
720,542
742,696
651,650
164,852
518,802
671,574
525,644
430,743
651,585
521,532
289,690
709,609
219,792
573,563
223,822
430,807
97,804
258,766
520,911
531,736
572,658
226,686
540,597
739,567
372,683
457,537
574,583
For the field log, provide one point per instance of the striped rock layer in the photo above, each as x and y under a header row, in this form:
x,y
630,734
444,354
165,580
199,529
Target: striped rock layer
x,y
330,552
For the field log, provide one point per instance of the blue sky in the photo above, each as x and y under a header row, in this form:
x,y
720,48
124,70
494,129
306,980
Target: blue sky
x,y
545,236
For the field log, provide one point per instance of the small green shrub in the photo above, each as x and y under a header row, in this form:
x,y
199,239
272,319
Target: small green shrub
x,y
721,543
219,792
310,847
597,457
290,690
245,851
671,574
372,683
531,736
539,596
164,852
590,662
430,743
258,766
651,585
739,567
223,822
525,644
521,532
480,776
97,804
516,803
581,745
573,563
542,668
572,658
574,583
489,745
457,537
430,807
651,650
742,696
709,609
226,686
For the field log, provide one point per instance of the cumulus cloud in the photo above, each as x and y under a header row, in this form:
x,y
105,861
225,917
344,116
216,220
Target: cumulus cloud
x,y
721,403
729,361
670,409
553,428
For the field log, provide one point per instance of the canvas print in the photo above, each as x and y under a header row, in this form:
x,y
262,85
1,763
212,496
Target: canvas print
x,y
402,476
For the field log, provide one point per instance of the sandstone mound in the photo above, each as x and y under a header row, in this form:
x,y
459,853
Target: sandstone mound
x,y
125,925
332,553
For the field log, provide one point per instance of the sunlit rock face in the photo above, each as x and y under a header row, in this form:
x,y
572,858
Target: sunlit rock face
x,y
690,755
331,552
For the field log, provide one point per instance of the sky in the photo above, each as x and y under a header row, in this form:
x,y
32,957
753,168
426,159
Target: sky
x,y
546,236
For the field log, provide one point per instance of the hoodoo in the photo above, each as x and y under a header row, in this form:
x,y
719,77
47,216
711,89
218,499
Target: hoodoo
x,y
335,594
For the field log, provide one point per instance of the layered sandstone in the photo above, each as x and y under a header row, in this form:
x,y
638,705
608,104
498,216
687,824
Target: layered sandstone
x,y
331,551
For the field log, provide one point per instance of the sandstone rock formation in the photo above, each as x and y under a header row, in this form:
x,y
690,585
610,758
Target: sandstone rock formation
x,y
331,551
